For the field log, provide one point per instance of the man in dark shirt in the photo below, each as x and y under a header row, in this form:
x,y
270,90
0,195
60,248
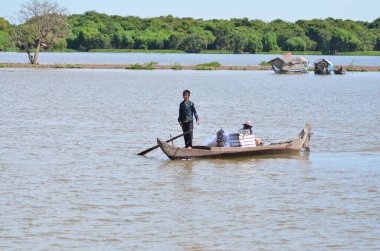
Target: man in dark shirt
x,y
185,119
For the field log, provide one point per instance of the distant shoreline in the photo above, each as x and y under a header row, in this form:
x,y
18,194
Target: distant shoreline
x,y
348,68
164,51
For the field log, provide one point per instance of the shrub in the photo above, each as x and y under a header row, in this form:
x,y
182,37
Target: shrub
x,y
66,66
264,63
177,66
136,67
150,66
208,66
147,66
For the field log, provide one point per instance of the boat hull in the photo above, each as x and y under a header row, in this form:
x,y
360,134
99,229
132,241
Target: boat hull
x,y
287,71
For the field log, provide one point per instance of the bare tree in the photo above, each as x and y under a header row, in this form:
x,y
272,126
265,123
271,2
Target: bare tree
x,y
42,24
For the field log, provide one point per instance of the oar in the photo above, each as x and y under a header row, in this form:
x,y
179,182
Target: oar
x,y
156,146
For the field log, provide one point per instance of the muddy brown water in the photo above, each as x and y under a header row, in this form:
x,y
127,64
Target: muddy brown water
x,y
71,179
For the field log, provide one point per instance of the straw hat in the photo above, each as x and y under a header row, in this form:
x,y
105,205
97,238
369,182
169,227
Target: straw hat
x,y
249,123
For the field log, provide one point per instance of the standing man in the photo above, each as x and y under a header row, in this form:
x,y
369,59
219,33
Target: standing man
x,y
185,118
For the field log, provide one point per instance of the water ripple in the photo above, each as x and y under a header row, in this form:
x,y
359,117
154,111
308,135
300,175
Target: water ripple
x,y
71,179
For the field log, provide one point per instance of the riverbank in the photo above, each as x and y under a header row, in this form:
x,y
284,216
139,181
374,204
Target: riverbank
x,y
353,53
164,51
168,67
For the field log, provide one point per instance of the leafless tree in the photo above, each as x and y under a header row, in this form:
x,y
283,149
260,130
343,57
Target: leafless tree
x,y
42,23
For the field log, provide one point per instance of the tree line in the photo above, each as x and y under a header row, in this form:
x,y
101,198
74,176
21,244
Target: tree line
x,y
93,30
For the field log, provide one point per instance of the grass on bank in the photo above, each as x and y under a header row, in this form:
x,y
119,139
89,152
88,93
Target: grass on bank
x,y
356,53
208,66
359,53
67,66
61,50
136,51
147,66
216,52
202,52
265,63
177,66
292,52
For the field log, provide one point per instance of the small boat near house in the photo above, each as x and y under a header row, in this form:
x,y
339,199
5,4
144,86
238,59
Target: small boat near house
x,y
323,67
289,64
339,71
295,145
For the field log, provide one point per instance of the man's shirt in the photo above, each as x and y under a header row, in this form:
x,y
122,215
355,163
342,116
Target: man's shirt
x,y
187,111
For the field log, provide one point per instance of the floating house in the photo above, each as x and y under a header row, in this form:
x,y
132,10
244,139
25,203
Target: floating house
x,y
323,66
288,64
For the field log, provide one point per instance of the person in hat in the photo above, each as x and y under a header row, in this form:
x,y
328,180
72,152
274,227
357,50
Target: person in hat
x,y
247,128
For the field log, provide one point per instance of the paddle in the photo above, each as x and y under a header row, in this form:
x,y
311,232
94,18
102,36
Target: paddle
x,y
156,146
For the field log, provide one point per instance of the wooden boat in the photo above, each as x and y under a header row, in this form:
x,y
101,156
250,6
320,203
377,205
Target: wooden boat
x,y
290,146
288,64
339,71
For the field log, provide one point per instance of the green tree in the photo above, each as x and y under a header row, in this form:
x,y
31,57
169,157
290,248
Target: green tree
x,y
207,35
270,41
61,45
367,39
239,41
285,31
254,42
43,25
6,26
318,34
311,45
88,38
95,30
223,34
151,40
377,44
375,24
194,43
344,40
6,31
5,41
295,44
123,40
175,40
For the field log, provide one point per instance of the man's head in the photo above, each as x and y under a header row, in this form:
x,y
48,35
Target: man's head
x,y
247,124
186,95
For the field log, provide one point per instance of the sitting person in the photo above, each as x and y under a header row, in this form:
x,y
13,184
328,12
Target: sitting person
x,y
243,138
247,130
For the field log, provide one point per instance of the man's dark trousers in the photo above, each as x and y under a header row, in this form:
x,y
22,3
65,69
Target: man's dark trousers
x,y
188,126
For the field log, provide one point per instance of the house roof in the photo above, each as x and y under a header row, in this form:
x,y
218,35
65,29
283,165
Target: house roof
x,y
291,60
323,60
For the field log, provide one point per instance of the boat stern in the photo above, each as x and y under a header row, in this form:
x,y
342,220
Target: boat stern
x,y
306,143
302,141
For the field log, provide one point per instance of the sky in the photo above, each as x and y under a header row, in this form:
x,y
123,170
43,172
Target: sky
x,y
266,10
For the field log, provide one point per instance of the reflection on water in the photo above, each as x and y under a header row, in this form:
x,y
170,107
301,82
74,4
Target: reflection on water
x,y
71,179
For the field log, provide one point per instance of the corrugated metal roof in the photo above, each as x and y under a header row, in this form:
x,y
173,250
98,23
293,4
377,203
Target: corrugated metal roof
x,y
291,60
323,59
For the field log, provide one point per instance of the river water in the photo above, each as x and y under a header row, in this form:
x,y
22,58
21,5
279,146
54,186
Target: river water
x,y
175,58
70,177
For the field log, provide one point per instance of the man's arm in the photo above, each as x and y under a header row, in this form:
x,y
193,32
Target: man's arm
x,y
195,114
179,115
